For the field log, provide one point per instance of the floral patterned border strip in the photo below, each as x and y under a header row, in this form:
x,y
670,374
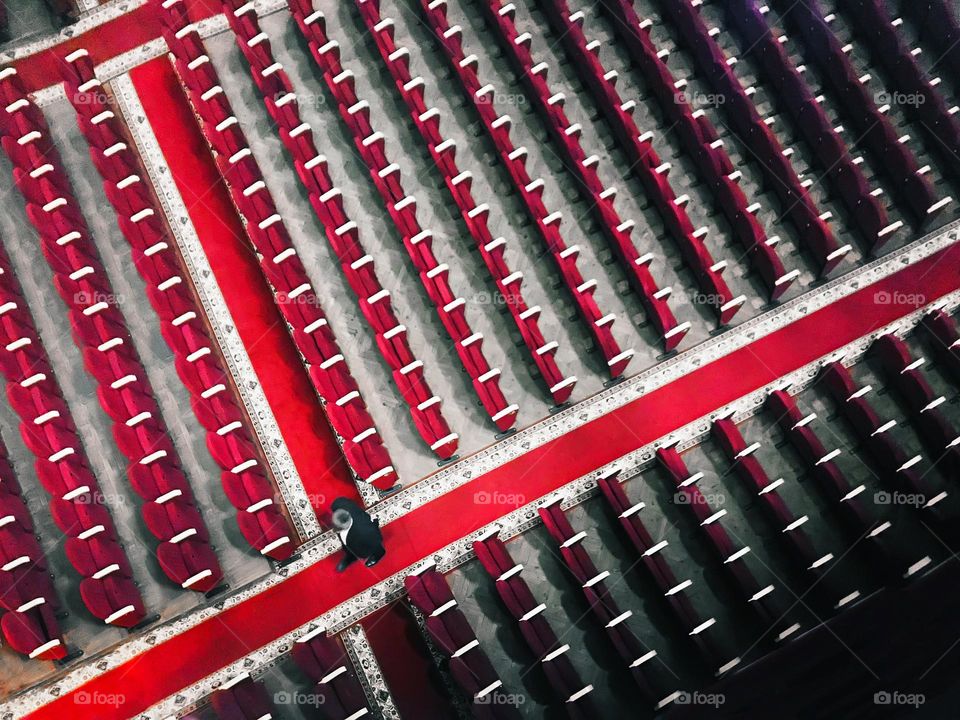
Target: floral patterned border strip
x,y
348,613
265,425
96,15
369,673
523,518
633,388
90,20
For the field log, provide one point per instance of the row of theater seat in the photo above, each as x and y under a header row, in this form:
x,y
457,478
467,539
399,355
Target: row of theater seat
x,y
852,505
773,608
650,675
77,503
63,10
535,628
242,698
777,610
813,232
28,600
197,361
293,293
881,35
645,163
694,130
789,528
703,632
108,589
110,356
324,660
945,339
482,96
925,408
426,119
889,460
842,170
335,693
937,24
387,178
868,120
357,265
455,639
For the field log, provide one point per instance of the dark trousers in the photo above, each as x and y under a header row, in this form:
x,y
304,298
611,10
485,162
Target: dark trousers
x,y
350,557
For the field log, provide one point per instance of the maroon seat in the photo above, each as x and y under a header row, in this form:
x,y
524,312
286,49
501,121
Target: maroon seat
x,y
242,699
114,600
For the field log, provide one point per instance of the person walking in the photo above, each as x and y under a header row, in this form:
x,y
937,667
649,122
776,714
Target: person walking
x,y
359,533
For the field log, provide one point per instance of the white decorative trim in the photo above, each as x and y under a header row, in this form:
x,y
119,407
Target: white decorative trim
x,y
615,397
90,21
93,18
399,504
125,62
369,673
275,449
103,14
454,554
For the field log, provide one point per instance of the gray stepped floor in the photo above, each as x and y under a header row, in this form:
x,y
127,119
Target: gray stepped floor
x,y
28,20
712,594
468,276
691,558
476,154
240,563
927,152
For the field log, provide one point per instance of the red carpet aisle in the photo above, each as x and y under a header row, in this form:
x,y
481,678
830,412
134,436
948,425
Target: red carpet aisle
x,y
239,630
113,38
405,661
275,359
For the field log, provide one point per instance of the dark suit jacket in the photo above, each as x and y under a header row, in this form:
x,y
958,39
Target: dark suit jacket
x,y
364,538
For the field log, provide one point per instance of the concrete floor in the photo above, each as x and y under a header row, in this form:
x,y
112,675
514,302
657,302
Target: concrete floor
x,y
163,600
469,278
